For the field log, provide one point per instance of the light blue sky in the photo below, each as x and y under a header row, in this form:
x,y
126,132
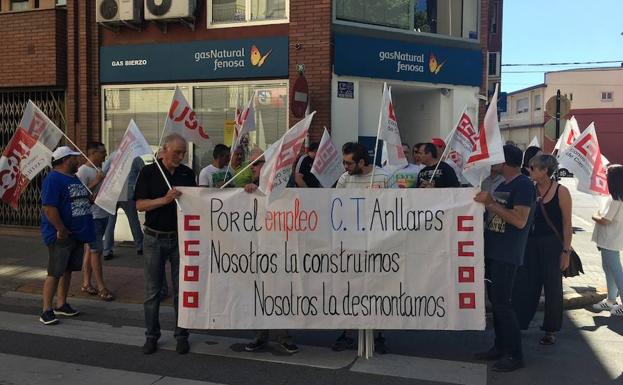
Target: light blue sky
x,y
548,31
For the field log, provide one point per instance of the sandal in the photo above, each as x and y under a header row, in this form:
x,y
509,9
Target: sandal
x,y
105,295
88,289
548,339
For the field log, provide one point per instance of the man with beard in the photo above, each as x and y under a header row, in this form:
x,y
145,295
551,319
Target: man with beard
x,y
359,167
358,174
436,172
66,225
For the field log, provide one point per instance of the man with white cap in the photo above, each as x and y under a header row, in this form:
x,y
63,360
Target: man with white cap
x,y
66,225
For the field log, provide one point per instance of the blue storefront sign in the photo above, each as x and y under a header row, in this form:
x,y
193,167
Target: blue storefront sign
x,y
402,60
200,60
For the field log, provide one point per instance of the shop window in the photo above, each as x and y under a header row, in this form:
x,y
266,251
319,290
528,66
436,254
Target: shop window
x,y
606,96
522,106
216,108
457,18
20,5
61,3
224,12
537,102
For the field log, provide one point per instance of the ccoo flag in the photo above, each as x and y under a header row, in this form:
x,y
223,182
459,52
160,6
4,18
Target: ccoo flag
x,y
327,167
279,160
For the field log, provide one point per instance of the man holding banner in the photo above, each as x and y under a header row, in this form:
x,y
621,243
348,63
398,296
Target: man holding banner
x,y
509,215
157,200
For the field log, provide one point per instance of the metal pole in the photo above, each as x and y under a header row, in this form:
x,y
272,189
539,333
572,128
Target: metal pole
x,y
557,114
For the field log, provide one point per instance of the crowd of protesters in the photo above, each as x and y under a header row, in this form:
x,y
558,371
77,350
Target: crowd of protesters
x,y
527,229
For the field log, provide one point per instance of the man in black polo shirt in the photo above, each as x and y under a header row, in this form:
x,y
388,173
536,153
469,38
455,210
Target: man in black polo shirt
x,y
154,197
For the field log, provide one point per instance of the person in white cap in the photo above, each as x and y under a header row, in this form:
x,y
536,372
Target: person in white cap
x,y
66,225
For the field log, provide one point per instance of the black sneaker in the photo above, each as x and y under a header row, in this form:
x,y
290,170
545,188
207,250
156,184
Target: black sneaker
x,y
48,317
150,346
254,345
66,310
490,355
182,346
289,347
109,256
343,342
139,252
508,364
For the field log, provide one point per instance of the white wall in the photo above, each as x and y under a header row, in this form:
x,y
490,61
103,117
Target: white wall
x,y
423,111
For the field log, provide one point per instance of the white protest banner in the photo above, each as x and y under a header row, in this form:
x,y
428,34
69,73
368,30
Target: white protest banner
x,y
182,120
327,166
133,144
488,149
245,121
535,142
584,159
569,135
331,259
279,162
22,159
40,127
393,157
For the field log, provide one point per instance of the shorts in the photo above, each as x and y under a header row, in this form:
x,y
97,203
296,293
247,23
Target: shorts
x,y
65,255
100,229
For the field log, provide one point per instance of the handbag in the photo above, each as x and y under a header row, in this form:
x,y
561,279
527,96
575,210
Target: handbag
x,y
575,264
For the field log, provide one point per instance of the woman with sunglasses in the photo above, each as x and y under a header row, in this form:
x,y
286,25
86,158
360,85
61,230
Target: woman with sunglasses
x,y
547,251
608,235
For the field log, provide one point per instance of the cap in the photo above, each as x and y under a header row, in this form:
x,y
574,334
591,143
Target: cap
x,y
62,152
438,142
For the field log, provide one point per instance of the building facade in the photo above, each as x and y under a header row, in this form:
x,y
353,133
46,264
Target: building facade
x,y
594,95
110,61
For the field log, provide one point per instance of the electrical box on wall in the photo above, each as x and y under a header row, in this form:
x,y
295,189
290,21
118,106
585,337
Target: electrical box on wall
x,y
112,11
169,9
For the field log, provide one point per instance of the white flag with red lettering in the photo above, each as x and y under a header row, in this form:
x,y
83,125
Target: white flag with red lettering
x,y
182,120
133,144
584,159
40,127
462,142
279,162
488,149
569,135
388,126
245,119
22,159
327,167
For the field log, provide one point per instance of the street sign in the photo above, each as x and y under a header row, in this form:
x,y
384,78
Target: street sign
x,y
565,106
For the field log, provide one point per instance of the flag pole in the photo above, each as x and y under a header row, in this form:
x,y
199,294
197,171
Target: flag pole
x,y
80,151
241,171
447,141
166,181
378,132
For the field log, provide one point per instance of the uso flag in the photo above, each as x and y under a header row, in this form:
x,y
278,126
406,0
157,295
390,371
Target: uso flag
x,y
279,161
182,120
23,158
327,167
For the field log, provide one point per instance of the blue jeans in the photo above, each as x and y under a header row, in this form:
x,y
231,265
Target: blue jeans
x,y
157,253
135,226
505,324
611,261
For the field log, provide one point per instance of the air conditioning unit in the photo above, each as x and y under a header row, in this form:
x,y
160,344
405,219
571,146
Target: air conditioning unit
x,y
118,10
169,9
